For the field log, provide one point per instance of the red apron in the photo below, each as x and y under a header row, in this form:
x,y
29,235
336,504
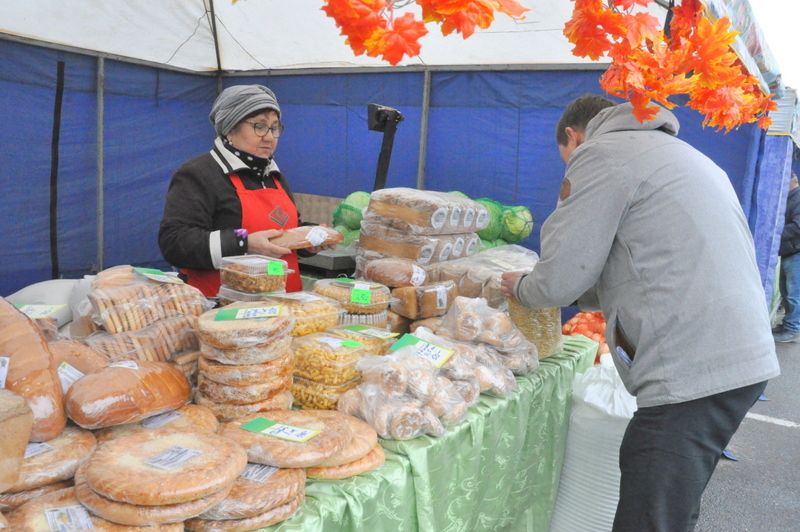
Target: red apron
x,y
258,207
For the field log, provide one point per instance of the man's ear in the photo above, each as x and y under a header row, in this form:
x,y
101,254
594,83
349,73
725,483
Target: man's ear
x,y
574,135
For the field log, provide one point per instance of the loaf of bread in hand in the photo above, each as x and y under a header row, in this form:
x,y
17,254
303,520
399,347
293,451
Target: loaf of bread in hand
x,y
308,236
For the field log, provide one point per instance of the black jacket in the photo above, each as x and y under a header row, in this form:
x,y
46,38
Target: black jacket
x,y
790,238
201,199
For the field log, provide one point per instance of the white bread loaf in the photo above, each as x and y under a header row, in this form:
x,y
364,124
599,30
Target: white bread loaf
x,y
187,418
156,468
126,393
31,372
16,421
259,522
260,488
55,460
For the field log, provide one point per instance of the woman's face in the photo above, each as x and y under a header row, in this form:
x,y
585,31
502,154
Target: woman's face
x,y
245,137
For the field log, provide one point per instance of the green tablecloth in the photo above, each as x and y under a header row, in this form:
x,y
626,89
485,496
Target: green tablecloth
x,y
498,470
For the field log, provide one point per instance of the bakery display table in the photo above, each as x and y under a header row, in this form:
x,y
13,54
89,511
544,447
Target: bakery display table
x,y
498,470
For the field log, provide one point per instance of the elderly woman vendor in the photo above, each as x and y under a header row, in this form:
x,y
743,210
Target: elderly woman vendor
x,y
233,199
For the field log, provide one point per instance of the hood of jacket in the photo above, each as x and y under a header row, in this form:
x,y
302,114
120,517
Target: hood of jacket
x,y
620,118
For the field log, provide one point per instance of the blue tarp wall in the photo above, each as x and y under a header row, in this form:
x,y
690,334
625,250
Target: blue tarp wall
x,y
490,134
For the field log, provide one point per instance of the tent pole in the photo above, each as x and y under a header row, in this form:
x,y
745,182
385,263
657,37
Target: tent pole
x,y
216,45
100,208
423,128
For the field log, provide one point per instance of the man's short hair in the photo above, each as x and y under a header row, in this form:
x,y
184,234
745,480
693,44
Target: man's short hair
x,y
578,114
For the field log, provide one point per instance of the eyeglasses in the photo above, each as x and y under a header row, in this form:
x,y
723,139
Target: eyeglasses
x,y
261,129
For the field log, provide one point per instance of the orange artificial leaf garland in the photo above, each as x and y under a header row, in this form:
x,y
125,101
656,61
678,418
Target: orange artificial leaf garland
x,y
371,26
694,59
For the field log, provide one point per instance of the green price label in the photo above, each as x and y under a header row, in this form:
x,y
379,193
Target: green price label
x,y
351,343
158,275
361,296
406,339
275,267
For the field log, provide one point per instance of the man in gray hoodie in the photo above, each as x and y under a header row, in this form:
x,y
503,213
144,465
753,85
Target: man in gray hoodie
x,y
650,231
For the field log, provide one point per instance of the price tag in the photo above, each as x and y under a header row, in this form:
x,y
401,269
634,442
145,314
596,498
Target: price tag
x,y
361,293
469,217
68,374
371,331
130,364
255,313
441,297
68,519
4,363
173,458
159,420
158,275
273,429
455,216
434,353
483,218
418,275
275,267
258,472
38,312
35,449
316,236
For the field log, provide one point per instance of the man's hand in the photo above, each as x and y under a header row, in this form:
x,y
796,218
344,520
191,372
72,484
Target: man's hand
x,y
509,281
258,244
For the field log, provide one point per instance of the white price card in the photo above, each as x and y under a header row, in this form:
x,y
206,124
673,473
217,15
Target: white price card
x,y
418,275
173,458
35,449
159,420
255,313
437,354
279,430
68,519
4,363
68,374
441,297
258,472
38,312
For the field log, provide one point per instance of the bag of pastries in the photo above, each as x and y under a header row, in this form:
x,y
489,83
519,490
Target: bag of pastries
x,y
420,302
307,236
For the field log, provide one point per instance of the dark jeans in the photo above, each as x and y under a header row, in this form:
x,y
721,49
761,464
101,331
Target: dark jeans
x,y
790,291
667,457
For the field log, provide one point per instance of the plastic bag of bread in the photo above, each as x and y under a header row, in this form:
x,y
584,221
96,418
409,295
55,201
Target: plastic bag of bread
x,y
311,312
133,298
427,301
241,325
356,297
396,418
446,403
27,368
161,340
425,211
78,355
400,374
376,341
308,236
423,249
473,320
430,323
397,323
392,272
126,392
253,273
327,359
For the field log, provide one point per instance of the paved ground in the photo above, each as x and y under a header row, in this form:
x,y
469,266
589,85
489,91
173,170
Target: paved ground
x,y
761,492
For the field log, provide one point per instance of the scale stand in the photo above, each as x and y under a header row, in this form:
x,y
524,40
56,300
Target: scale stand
x,y
384,119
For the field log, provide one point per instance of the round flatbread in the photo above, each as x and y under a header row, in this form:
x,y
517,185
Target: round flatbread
x,y
225,328
260,488
64,505
364,440
54,460
243,375
187,418
243,395
152,468
371,462
227,412
276,515
261,448
9,501
134,515
255,354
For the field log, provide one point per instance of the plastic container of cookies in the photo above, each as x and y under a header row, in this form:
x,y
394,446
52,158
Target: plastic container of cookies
x,y
312,394
254,273
376,340
356,297
312,313
379,320
326,358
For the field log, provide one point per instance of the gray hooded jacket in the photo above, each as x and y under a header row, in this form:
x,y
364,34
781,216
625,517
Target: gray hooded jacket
x,y
652,231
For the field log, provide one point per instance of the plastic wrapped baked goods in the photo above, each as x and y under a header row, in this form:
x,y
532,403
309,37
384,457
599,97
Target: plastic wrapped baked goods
x,y
274,349
311,312
188,418
364,441
430,323
247,394
126,392
62,510
383,241
392,417
376,340
162,340
253,273
259,522
356,297
327,359
244,325
542,326
156,468
55,460
78,355
372,461
28,370
315,395
397,323
227,412
427,301
130,307
392,272
289,438
400,374
425,211
9,501
259,489
16,421
227,295
380,320
243,375
307,236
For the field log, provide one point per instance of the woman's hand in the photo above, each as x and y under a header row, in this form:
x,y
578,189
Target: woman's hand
x,y
258,243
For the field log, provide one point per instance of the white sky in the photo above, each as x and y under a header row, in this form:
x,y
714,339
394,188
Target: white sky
x,y
780,22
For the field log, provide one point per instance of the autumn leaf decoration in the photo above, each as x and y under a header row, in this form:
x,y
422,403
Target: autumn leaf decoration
x,y
694,58
373,26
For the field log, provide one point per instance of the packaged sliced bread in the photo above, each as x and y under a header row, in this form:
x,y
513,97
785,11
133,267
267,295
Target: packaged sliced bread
x,y
392,271
427,301
425,211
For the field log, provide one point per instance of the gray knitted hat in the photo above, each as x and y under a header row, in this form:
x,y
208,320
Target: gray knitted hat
x,y
235,103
